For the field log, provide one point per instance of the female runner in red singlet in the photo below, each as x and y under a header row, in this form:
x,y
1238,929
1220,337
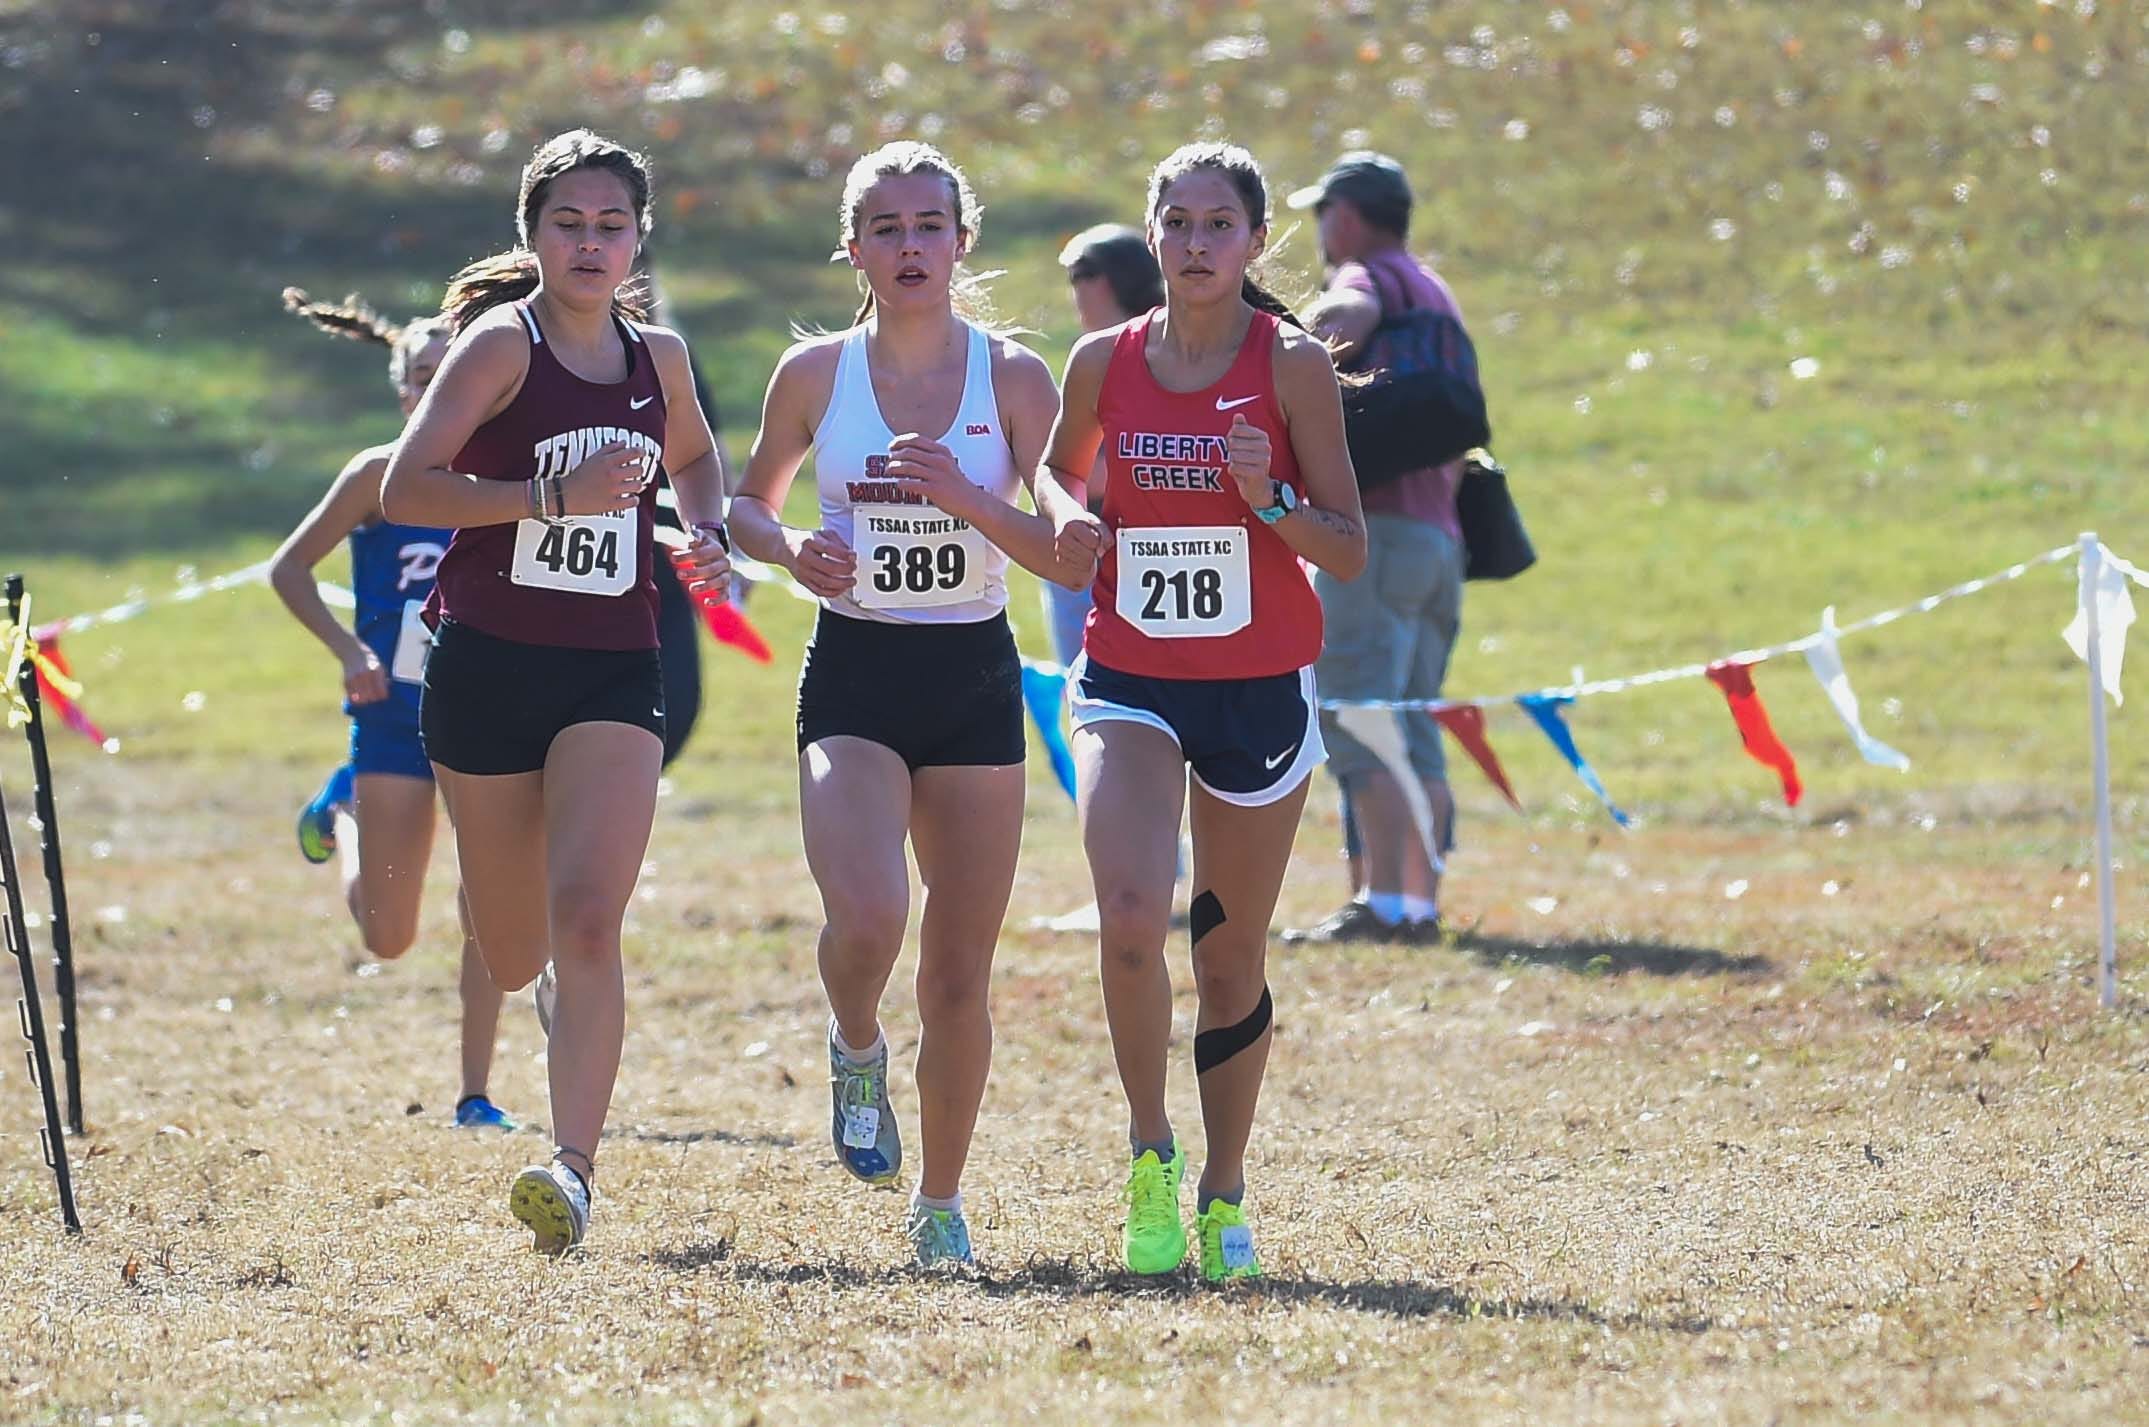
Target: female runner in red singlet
x,y
1225,465
543,709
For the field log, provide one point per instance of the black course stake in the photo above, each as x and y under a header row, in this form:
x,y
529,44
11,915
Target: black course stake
x,y
33,1025
48,837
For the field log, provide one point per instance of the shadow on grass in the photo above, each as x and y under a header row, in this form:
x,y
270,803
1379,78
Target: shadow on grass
x,y
708,1137
1602,956
1073,1279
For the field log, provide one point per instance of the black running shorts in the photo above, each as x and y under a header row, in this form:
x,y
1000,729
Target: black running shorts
x,y
494,705
939,695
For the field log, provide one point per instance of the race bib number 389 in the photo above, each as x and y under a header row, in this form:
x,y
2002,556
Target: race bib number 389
x,y
1185,581
910,556
586,554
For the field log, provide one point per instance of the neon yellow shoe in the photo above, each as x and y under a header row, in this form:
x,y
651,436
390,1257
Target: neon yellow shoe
x,y
1227,1245
1155,1240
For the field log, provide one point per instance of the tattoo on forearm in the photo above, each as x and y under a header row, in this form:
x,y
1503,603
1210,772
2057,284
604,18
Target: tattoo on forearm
x,y
1329,520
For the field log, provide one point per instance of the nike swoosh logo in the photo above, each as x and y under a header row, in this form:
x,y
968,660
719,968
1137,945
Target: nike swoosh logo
x,y
1272,764
1223,405
638,405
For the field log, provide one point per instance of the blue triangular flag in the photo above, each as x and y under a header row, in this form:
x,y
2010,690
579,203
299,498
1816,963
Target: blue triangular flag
x,y
1044,690
1544,711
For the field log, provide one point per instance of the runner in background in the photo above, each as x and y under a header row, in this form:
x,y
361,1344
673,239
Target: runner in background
x,y
377,810
1111,277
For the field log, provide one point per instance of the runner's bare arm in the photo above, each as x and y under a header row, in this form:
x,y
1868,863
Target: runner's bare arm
x,y
696,465
1328,528
350,501
798,396
1062,489
690,450
481,375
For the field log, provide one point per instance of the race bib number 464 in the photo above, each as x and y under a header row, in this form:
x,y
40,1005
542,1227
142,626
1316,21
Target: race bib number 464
x,y
910,556
1185,581
587,554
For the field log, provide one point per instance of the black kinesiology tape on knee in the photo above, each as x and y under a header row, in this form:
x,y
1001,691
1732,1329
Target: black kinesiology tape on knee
x,y
1213,1048
1204,915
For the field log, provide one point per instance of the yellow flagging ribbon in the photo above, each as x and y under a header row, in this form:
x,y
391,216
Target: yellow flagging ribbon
x,y
16,646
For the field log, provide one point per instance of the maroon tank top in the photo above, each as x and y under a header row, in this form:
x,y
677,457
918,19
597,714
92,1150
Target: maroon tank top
x,y
588,582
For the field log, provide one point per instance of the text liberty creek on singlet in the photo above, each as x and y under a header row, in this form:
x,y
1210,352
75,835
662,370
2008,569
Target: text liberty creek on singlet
x,y
1205,456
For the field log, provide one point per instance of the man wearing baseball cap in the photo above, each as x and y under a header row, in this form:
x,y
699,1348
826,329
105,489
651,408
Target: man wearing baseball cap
x,y
1389,633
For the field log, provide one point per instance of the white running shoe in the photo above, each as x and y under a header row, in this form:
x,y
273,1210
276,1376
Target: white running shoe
x,y
545,995
553,1201
862,1122
1080,920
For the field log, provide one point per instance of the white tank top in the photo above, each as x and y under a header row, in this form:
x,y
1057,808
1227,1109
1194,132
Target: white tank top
x,y
916,565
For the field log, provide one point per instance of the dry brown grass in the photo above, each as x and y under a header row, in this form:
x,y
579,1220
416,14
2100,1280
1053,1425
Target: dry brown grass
x,y
1780,1157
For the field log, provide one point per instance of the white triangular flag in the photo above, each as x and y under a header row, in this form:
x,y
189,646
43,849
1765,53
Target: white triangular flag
x,y
1381,731
1826,661
2115,611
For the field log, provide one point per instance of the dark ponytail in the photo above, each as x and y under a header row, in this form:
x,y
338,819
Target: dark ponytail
x,y
356,320
513,275
1260,299
487,283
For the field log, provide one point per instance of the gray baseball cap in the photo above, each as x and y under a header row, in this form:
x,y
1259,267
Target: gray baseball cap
x,y
1371,180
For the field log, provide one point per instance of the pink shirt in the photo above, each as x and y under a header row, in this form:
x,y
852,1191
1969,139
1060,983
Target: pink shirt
x,y
1428,494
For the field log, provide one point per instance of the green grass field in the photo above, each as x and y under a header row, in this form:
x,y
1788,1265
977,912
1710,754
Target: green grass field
x,y
1670,1130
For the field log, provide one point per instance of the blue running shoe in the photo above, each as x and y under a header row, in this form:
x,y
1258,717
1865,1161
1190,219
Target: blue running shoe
x,y
939,1236
317,820
863,1122
475,1112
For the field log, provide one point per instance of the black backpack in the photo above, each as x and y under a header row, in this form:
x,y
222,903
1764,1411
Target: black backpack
x,y
1422,405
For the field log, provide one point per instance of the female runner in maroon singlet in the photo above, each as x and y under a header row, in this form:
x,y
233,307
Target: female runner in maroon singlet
x,y
1225,466
543,710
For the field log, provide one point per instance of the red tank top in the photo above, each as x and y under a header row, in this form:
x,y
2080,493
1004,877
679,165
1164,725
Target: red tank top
x,y
588,583
1194,585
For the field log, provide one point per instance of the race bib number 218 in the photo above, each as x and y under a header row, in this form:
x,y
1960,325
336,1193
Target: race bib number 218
x,y
1185,581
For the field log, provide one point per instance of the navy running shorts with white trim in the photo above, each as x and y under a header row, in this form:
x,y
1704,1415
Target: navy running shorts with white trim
x,y
1248,741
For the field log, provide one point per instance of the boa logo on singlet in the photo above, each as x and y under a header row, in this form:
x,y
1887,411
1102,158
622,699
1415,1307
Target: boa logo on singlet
x,y
557,455
420,559
876,489
1166,462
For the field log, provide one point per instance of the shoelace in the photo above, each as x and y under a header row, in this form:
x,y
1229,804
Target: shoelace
x,y
1149,1199
861,1086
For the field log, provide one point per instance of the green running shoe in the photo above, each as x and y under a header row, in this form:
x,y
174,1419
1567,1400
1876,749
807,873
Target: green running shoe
x,y
1227,1245
1155,1240
317,820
